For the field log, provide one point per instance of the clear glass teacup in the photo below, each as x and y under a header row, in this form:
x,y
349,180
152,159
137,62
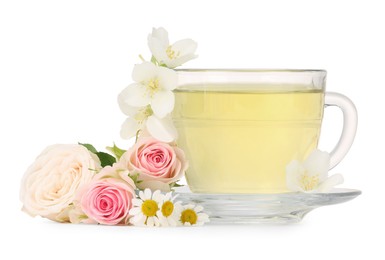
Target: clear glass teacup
x,y
240,128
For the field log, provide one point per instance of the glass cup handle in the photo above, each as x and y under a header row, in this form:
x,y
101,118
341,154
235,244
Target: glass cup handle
x,y
349,128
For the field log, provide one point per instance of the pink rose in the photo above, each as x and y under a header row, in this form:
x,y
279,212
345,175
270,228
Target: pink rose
x,y
158,164
108,199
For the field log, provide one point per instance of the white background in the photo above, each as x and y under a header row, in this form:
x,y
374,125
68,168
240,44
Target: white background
x,y
62,64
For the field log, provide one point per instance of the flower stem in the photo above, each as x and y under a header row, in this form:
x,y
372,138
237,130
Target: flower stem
x,y
137,136
141,57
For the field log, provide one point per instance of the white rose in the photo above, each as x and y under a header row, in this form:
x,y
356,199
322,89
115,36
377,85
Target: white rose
x,y
50,184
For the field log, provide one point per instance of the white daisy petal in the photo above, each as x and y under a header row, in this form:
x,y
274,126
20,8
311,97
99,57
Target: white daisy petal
x,y
178,207
144,71
189,206
157,196
172,222
137,202
137,219
147,194
163,103
150,221
129,128
198,208
167,196
141,195
156,222
330,182
203,217
136,95
135,211
161,129
163,221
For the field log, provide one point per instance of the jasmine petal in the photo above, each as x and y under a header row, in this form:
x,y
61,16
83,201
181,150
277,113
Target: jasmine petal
x,y
330,182
136,95
172,55
163,103
161,129
129,128
311,175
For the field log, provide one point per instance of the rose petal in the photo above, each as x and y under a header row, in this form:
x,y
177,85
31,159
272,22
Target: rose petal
x,y
154,185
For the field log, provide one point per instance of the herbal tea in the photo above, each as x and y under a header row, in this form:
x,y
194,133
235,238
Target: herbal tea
x,y
239,139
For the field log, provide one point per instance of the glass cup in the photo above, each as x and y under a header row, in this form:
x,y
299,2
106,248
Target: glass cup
x,y
240,128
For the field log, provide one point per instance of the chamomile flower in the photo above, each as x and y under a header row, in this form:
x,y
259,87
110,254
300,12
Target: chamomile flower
x,y
192,215
169,211
145,208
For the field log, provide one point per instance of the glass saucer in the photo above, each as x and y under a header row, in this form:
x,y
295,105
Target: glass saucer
x,y
262,208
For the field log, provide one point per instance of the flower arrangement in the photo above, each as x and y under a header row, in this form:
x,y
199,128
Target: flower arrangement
x,y
78,184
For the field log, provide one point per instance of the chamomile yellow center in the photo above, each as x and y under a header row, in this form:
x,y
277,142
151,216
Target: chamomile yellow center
x,y
309,182
171,54
190,216
167,208
149,208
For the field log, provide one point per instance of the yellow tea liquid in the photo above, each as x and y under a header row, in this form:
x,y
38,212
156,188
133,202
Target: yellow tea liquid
x,y
239,139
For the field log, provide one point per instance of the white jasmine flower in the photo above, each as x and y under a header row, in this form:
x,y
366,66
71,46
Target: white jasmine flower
x,y
169,211
153,87
145,208
312,174
192,215
142,118
170,55
148,103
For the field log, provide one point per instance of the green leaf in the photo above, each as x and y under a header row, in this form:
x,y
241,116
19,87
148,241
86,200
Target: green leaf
x,y
106,159
116,151
134,177
90,147
153,60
